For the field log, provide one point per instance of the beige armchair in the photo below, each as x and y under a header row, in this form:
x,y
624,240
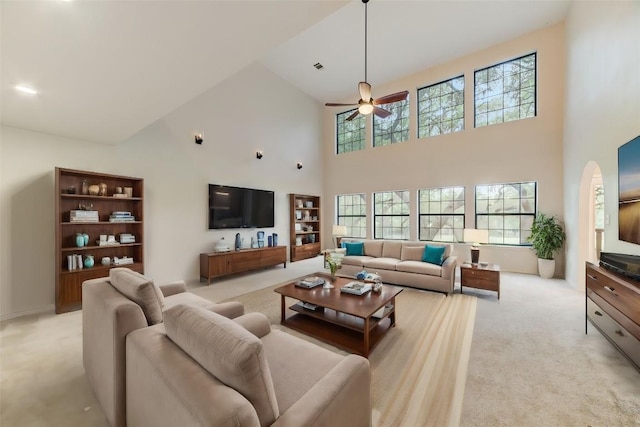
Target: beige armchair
x,y
114,306
201,369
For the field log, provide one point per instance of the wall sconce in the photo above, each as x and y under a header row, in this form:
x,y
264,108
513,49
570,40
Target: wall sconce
x,y
259,154
299,165
199,138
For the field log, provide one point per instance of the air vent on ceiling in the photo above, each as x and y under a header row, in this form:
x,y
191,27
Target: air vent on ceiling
x,y
318,66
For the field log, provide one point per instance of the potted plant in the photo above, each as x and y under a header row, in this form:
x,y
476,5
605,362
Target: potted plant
x,y
547,237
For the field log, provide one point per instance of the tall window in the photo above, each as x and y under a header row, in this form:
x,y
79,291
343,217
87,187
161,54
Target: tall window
x,y
507,211
391,215
441,214
350,134
506,91
352,212
441,108
394,128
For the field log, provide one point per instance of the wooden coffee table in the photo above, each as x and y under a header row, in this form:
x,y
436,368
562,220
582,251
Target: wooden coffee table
x,y
341,319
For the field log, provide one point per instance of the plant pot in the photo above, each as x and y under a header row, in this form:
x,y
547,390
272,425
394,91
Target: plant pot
x,y
546,268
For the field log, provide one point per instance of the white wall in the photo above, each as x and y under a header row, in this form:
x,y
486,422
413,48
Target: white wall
x,y
524,150
27,280
602,113
252,110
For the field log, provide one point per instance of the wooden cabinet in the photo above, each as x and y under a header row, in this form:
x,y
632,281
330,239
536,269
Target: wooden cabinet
x,y
478,276
69,198
218,264
304,232
612,304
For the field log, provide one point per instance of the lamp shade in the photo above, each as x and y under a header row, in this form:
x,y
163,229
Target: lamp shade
x,y
339,230
474,236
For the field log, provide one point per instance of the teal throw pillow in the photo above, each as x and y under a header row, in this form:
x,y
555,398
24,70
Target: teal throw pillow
x,y
433,254
354,248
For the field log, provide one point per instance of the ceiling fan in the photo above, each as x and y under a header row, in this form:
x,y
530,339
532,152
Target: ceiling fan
x,y
366,104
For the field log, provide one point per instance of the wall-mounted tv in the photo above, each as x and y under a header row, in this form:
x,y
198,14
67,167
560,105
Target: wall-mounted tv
x,y
239,207
629,191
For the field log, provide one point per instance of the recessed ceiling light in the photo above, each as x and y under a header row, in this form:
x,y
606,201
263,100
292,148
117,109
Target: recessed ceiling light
x,y
26,89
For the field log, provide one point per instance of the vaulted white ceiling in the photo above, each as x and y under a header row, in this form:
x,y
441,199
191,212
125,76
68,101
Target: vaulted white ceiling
x,y
106,69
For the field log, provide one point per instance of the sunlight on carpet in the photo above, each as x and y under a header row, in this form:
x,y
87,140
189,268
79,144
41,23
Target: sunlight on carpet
x,y
418,369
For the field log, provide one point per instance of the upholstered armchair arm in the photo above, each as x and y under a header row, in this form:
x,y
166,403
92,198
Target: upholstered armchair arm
x,y
230,310
449,267
173,288
256,323
342,398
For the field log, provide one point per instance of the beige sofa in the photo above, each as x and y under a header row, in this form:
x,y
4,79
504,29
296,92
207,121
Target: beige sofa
x,y
400,262
202,369
114,306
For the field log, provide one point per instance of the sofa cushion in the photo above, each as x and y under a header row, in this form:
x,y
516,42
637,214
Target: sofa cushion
x,y
356,260
419,267
373,248
382,263
354,248
434,254
141,290
392,249
231,353
412,253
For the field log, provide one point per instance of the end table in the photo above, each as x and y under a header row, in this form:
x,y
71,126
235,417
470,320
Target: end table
x,y
480,276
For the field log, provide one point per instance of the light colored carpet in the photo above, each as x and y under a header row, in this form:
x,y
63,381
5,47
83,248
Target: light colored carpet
x,y
418,369
531,363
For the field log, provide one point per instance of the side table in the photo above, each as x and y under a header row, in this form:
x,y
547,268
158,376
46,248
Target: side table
x,y
480,276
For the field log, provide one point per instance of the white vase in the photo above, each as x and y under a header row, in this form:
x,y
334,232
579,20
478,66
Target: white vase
x,y
546,268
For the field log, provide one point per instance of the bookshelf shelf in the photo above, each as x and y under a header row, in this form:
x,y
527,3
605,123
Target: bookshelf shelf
x,y
304,212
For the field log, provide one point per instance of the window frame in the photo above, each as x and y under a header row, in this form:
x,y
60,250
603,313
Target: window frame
x,y
349,228
362,130
418,100
421,215
407,216
535,90
523,242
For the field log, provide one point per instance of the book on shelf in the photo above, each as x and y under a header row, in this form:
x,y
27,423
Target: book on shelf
x,y
356,288
83,216
122,261
120,213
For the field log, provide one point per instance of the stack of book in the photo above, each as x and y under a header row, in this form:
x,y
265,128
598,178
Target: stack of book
x,y
356,288
127,238
121,216
122,261
83,216
310,282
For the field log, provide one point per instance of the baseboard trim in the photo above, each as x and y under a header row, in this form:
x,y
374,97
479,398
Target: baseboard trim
x,y
47,309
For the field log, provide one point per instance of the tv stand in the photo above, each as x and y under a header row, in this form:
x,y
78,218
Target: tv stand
x,y
216,264
612,304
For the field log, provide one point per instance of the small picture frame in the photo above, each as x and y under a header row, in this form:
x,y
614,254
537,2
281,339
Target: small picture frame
x,y
309,204
298,215
298,227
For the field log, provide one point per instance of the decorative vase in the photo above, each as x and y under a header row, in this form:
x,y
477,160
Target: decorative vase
x,y
546,268
103,189
85,187
85,236
88,261
79,240
94,190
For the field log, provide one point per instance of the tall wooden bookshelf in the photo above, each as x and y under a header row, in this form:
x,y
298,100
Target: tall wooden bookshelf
x,y
69,197
304,233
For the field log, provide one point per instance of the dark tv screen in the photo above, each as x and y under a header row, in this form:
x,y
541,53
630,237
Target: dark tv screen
x,y
239,207
629,191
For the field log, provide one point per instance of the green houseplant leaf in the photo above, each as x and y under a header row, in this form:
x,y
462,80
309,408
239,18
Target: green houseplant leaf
x,y
547,236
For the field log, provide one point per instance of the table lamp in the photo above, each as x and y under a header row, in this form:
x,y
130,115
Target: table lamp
x,y
475,237
338,231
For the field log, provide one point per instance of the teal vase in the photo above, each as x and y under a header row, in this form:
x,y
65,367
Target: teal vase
x,y
88,261
79,240
86,239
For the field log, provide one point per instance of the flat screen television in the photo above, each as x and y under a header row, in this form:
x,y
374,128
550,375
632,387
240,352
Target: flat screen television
x,y
240,207
629,191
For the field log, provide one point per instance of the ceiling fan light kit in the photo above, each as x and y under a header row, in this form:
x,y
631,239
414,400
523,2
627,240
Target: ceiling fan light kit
x,y
367,105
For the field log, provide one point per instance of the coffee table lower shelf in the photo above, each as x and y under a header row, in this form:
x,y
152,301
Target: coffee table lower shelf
x,y
340,329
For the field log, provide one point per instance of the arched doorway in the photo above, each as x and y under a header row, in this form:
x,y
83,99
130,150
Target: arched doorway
x,y
592,218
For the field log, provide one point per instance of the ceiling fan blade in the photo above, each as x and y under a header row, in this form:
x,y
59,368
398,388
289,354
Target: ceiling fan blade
x,y
353,116
394,97
381,112
365,91
337,104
